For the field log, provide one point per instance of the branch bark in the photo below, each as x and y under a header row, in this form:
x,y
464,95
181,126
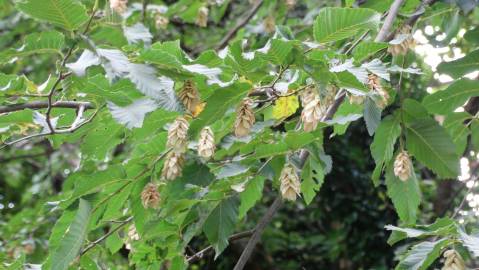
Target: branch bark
x,y
265,220
44,104
388,22
198,255
246,18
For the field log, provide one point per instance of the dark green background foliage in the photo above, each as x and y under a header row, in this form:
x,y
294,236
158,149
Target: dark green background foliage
x,y
70,198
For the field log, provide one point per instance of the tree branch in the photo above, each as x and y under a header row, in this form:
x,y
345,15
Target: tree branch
x,y
44,104
388,22
265,220
246,18
99,240
198,255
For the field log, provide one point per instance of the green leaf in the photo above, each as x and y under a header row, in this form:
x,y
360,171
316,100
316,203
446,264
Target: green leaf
x,y
382,147
333,24
312,176
372,115
446,101
422,255
455,124
252,193
471,242
45,42
412,110
68,14
429,143
73,239
405,195
220,224
278,51
441,227
217,105
366,49
462,66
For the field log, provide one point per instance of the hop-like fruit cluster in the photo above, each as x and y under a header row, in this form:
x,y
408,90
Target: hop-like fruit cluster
x,y
453,261
402,42
173,166
202,17
119,6
244,118
313,109
161,22
132,235
403,166
177,135
150,197
290,4
290,184
374,84
354,99
206,143
189,96
269,24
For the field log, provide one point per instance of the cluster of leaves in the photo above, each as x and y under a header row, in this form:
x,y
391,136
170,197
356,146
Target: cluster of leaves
x,y
130,85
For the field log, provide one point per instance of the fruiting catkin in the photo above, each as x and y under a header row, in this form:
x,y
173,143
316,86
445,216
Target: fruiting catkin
x,y
173,166
189,96
206,143
402,42
312,113
150,197
403,166
202,17
453,261
177,135
374,84
161,22
290,184
118,6
244,118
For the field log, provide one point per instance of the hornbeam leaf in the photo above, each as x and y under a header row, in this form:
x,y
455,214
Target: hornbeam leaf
x,y
446,101
132,116
251,194
159,88
68,14
462,66
333,24
220,224
71,243
372,115
471,242
86,60
405,195
137,33
429,143
422,255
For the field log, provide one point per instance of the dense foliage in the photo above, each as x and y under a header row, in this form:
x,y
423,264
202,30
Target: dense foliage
x,y
179,134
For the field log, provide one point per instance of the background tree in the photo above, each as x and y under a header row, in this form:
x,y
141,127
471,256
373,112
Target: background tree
x,y
234,134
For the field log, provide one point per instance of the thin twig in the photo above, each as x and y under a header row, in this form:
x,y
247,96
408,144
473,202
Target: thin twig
x,y
101,239
198,255
242,22
44,104
388,22
461,205
265,220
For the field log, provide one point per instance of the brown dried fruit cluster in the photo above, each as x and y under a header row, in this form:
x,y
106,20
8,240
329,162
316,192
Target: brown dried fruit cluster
x,y
374,84
269,24
402,42
119,6
189,96
244,118
206,143
290,3
132,236
173,166
161,22
202,17
354,99
403,166
290,184
177,135
150,197
453,261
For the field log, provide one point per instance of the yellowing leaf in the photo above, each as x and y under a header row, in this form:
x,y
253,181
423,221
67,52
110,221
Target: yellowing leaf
x,y
199,108
285,106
